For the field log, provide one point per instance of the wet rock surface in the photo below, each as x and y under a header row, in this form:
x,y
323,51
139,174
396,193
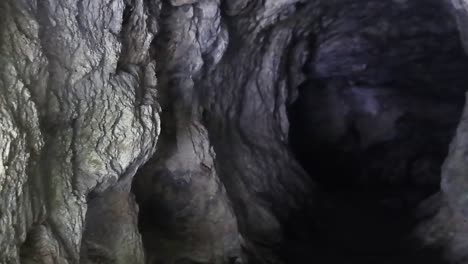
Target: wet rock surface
x,y
209,131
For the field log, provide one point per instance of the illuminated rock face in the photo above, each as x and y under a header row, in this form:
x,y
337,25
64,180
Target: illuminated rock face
x,y
78,118
240,131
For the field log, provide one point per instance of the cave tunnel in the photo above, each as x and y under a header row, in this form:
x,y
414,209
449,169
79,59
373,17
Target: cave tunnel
x,y
233,131
372,124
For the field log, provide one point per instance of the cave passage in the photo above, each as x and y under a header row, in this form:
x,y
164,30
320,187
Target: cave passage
x,y
372,125
233,132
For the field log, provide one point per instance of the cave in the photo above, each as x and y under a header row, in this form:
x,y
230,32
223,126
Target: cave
x,y
233,131
372,124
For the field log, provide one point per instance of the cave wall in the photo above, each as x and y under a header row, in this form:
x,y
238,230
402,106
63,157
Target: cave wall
x,y
383,96
78,87
185,214
221,136
78,117
446,227
85,87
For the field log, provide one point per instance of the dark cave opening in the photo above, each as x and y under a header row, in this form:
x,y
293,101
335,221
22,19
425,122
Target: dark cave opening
x,y
372,126
372,190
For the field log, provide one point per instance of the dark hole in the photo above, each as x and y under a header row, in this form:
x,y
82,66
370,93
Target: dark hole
x,y
372,126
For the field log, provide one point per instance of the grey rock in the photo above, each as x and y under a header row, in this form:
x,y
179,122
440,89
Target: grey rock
x,y
448,228
136,131
181,181
183,2
73,120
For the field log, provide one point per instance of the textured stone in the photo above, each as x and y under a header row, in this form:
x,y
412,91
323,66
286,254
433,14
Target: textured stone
x,y
181,183
82,85
447,228
77,118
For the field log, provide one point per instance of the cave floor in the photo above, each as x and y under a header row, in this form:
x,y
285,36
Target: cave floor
x,y
358,228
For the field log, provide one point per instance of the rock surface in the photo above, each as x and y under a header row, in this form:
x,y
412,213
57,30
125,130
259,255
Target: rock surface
x,y
182,131
447,228
78,117
384,113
